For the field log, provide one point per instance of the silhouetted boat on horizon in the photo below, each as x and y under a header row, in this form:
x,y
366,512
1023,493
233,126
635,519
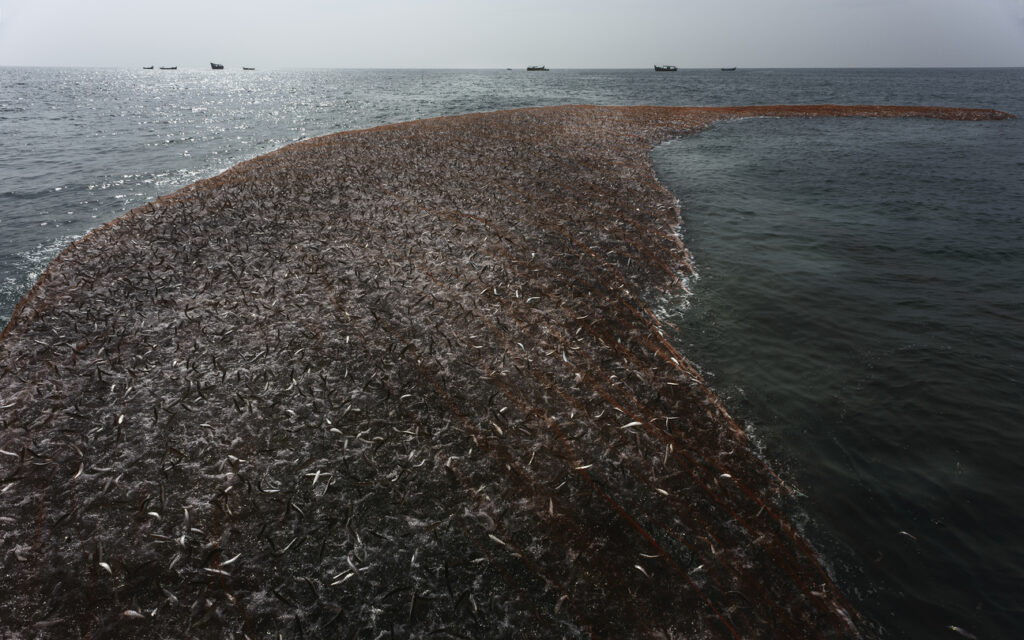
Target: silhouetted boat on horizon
x,y
169,68
667,67
537,68
215,66
150,67
248,68
728,68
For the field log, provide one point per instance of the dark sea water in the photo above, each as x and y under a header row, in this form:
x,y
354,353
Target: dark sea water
x,y
859,304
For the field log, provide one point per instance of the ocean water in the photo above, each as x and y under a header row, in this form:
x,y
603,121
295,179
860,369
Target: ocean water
x,y
860,306
860,299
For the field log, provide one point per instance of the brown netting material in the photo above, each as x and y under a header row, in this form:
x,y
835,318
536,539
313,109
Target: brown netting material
x,y
401,382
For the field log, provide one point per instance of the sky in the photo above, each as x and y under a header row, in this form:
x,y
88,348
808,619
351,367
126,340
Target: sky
x,y
510,33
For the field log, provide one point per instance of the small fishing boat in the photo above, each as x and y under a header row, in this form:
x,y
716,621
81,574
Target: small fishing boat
x,y
169,68
667,67
728,68
537,68
215,66
149,67
248,68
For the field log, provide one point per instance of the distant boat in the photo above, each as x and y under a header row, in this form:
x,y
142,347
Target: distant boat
x,y
215,66
666,67
147,67
535,68
248,68
728,68
169,68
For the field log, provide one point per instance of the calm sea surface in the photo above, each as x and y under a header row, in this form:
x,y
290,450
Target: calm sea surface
x,y
860,299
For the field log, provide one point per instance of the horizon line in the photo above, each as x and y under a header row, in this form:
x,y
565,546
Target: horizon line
x,y
518,68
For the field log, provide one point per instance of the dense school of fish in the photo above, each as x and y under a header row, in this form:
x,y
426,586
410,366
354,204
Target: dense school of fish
x,y
401,382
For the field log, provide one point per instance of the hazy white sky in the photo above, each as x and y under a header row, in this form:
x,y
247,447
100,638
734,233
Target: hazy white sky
x,y
508,33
